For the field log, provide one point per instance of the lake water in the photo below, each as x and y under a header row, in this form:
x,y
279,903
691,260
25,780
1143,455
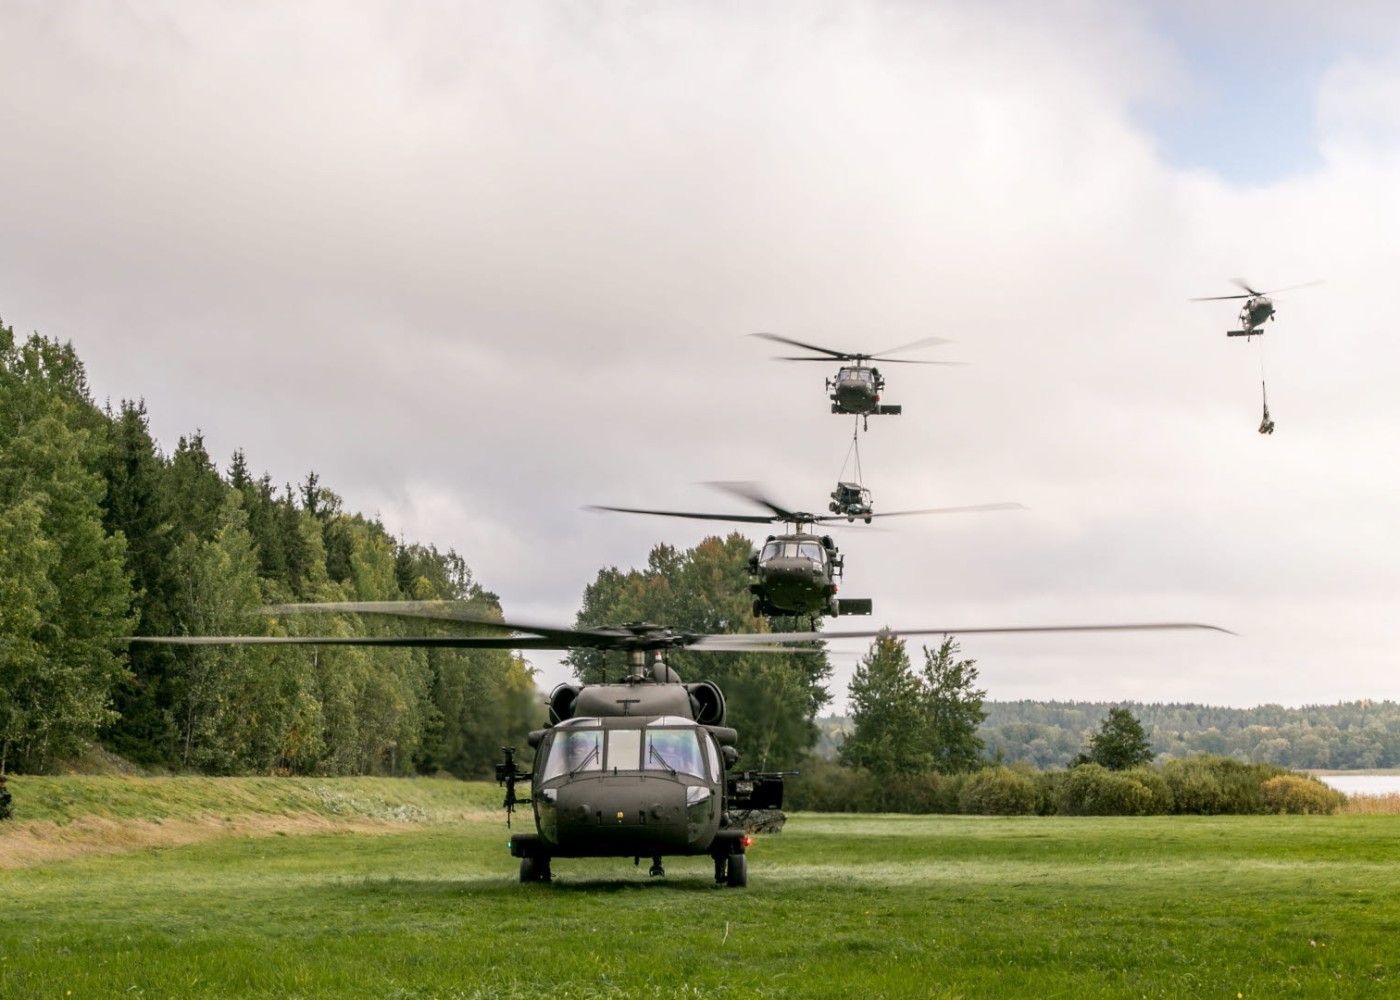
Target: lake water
x,y
1363,784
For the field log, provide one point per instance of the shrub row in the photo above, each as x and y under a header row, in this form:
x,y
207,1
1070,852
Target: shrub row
x,y
1206,785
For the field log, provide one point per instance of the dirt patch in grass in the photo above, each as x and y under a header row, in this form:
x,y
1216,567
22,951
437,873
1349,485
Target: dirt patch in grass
x,y
23,845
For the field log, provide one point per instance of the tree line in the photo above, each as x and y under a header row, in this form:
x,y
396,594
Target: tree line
x,y
1354,735
103,535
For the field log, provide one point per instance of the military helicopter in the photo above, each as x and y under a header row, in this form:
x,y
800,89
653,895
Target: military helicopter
x,y
797,572
639,768
1257,309
856,388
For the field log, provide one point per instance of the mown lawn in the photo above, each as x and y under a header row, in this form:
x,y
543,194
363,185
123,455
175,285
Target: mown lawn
x,y
838,906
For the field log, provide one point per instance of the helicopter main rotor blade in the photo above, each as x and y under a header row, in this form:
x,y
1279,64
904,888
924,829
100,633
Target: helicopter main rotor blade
x,y
1219,298
995,630
462,612
915,361
973,509
1245,285
741,518
911,346
752,493
1291,288
428,641
835,355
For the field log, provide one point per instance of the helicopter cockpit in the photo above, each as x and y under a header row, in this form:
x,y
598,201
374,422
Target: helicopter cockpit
x,y
788,548
669,744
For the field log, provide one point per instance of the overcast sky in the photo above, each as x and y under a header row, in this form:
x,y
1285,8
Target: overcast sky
x,y
480,264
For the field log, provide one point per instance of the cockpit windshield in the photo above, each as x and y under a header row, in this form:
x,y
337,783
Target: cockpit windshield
x,y
855,375
811,550
770,551
673,750
574,750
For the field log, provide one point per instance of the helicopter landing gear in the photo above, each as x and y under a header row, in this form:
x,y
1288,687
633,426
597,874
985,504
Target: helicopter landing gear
x,y
721,868
656,871
758,609
738,875
535,869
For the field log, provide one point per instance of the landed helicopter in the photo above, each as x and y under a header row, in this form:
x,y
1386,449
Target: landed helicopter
x,y
639,768
797,573
856,388
1257,309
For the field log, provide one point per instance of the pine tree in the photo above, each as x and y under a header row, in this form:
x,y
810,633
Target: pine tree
x,y
952,709
888,735
1120,743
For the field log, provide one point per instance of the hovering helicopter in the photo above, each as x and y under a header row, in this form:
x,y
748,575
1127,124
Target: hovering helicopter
x,y
856,388
797,572
639,768
1257,309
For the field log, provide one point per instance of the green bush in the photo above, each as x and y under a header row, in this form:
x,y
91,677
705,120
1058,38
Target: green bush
x,y
930,792
1049,786
824,786
1291,793
1093,790
998,791
1212,786
1163,801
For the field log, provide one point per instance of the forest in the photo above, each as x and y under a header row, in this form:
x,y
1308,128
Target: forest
x,y
103,535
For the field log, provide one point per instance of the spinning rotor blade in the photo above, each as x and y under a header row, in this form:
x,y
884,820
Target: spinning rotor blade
x,y
833,355
974,509
997,630
912,346
752,493
1245,285
1218,298
1290,288
429,641
743,518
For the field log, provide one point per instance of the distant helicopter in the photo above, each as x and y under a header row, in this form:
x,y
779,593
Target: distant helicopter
x,y
639,768
797,573
1257,309
856,388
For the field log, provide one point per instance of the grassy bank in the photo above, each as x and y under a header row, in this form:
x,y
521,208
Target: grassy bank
x,y
928,906
58,818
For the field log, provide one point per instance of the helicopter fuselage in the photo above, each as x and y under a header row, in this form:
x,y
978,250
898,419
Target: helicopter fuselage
x,y
630,786
856,389
797,574
1253,315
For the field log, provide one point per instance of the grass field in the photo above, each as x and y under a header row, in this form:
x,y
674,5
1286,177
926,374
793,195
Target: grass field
x,y
366,888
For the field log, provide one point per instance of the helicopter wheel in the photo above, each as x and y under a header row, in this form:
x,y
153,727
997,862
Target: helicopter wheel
x,y
738,875
534,870
867,519
656,871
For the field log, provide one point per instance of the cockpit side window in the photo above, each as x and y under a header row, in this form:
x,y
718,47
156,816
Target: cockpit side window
x,y
811,550
712,753
674,750
574,750
769,551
